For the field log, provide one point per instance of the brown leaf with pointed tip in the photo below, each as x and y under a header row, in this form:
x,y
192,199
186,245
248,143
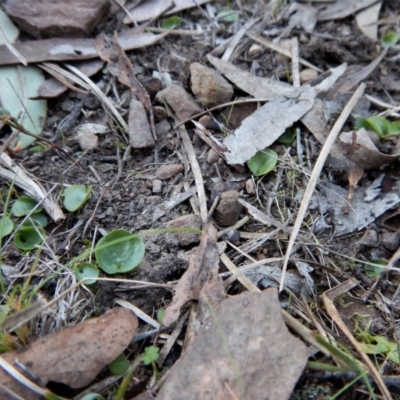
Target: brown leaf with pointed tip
x,y
74,356
360,147
246,352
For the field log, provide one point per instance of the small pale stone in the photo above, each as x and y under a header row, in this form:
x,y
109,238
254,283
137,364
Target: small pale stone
x,y
212,156
181,102
140,135
250,189
186,221
308,75
205,120
255,50
157,186
210,88
169,171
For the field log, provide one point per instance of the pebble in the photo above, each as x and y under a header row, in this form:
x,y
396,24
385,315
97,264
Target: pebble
x,y
186,221
212,156
140,135
307,75
157,186
228,210
210,88
169,171
250,189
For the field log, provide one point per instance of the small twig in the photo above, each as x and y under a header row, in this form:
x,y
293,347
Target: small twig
x,y
13,123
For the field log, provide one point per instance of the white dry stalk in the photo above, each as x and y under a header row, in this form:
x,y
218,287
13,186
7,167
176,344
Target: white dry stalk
x,y
139,313
330,140
16,174
295,63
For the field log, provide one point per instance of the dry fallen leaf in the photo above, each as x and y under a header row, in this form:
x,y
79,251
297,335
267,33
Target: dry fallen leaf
x,y
153,8
203,267
360,147
73,356
71,49
247,352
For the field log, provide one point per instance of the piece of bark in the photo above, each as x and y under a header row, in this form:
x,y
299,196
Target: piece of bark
x,y
210,88
181,102
140,135
247,352
57,18
73,356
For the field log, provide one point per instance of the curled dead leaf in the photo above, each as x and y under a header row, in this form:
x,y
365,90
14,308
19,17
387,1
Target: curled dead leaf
x,y
361,148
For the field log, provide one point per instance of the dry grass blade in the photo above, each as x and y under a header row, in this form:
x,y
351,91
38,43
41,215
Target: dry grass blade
x,y
279,49
198,177
333,313
316,173
102,97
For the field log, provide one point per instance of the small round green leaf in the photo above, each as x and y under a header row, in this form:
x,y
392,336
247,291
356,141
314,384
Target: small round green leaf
x,y
119,251
6,226
263,162
288,136
29,237
394,128
373,269
171,22
119,366
86,270
76,196
390,38
40,219
23,206
4,112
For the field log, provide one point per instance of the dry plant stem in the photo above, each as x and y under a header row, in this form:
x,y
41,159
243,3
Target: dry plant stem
x,y
229,103
62,79
95,209
316,173
295,63
10,369
333,313
198,178
279,49
171,339
139,313
237,37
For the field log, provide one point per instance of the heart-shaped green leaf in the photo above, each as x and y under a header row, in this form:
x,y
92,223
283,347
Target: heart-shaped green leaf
x,y
119,251
86,270
23,206
263,162
28,238
6,226
76,196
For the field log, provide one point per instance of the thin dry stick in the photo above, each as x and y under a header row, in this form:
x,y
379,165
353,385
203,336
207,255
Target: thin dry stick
x,y
316,173
295,63
198,178
333,313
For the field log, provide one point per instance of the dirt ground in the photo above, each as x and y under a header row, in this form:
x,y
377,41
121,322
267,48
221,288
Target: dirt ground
x,y
123,195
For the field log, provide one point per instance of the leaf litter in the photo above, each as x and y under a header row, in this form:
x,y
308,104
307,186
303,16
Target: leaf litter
x,y
166,81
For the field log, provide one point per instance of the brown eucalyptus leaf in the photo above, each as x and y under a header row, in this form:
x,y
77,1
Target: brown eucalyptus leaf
x,y
246,352
74,356
71,49
360,147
